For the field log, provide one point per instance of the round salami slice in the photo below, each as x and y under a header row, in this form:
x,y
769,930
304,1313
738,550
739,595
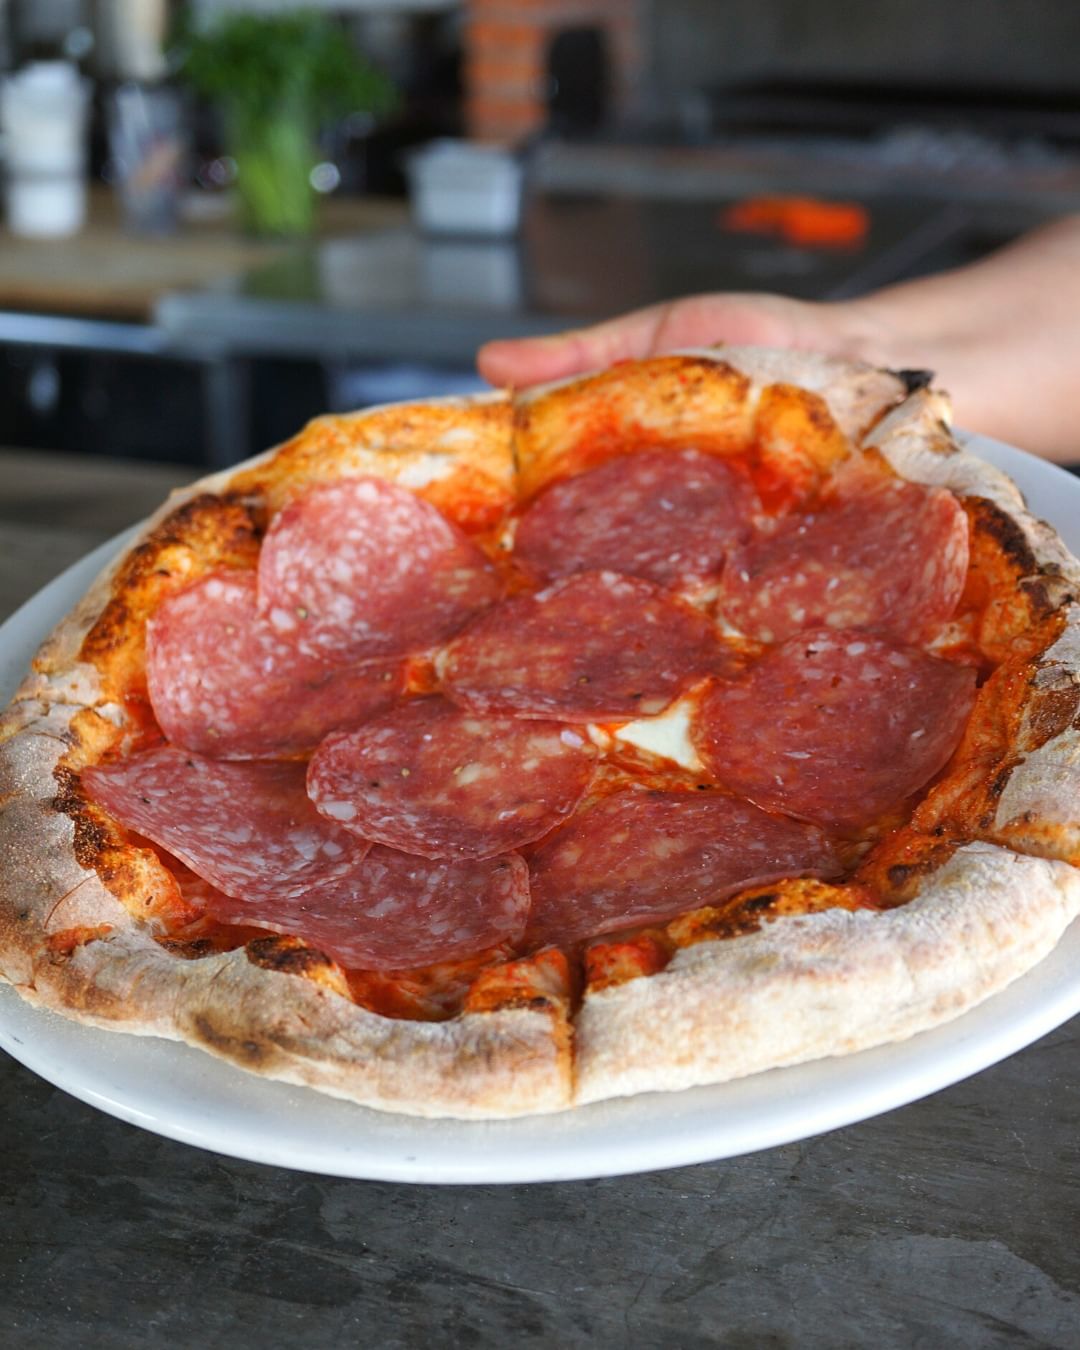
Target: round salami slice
x,y
593,647
667,517
640,857
248,829
882,554
401,912
362,568
431,779
834,727
225,683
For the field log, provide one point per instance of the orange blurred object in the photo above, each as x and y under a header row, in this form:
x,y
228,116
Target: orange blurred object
x,y
806,221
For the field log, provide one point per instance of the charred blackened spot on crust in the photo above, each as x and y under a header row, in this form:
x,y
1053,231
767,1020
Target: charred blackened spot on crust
x,y
1047,592
69,796
757,903
91,841
996,785
914,380
523,1003
230,516
1006,533
92,837
254,507
241,1050
737,922
902,880
290,955
187,949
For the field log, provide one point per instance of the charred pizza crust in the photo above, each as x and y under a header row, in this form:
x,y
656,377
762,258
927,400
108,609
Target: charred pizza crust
x,y
976,888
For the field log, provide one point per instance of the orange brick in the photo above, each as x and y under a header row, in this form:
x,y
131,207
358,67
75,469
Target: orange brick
x,y
504,123
512,109
506,44
502,36
509,92
512,67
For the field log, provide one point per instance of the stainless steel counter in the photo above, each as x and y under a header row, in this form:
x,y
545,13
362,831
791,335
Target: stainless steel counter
x,y
952,1221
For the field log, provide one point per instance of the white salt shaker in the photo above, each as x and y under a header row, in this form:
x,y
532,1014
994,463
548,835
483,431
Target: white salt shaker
x,y
43,112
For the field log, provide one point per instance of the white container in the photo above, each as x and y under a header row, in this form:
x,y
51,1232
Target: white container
x,y
457,187
43,112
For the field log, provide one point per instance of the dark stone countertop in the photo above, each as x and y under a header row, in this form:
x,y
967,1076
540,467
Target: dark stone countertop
x,y
951,1221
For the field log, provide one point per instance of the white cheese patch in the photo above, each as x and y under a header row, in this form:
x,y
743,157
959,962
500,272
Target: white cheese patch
x,y
425,469
667,735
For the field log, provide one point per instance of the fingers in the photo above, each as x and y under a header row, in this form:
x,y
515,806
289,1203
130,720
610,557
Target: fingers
x,y
534,360
697,321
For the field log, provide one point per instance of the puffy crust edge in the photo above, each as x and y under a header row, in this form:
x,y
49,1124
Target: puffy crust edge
x,y
490,1065
1038,810
917,441
856,393
827,984
715,398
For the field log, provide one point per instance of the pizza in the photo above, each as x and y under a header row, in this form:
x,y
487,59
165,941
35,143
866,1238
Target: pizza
x,y
490,757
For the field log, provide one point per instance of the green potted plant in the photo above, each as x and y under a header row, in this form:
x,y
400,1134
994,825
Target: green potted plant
x,y
276,79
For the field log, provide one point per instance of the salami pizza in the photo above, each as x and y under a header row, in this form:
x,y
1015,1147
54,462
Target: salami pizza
x,y
492,757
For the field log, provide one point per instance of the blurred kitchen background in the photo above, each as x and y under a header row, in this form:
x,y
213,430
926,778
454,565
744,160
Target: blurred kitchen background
x,y
203,248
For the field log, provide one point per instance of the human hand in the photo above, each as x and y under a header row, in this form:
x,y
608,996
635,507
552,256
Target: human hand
x,y
697,321
1002,336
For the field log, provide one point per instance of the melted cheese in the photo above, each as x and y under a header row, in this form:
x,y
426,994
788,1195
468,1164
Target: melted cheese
x,y
425,469
667,735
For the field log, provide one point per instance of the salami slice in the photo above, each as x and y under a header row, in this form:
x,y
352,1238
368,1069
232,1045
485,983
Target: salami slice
x,y
640,857
834,727
431,779
225,683
882,554
401,912
362,568
593,647
248,829
667,517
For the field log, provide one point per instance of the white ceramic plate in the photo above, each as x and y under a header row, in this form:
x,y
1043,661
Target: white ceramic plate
x,y
186,1095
